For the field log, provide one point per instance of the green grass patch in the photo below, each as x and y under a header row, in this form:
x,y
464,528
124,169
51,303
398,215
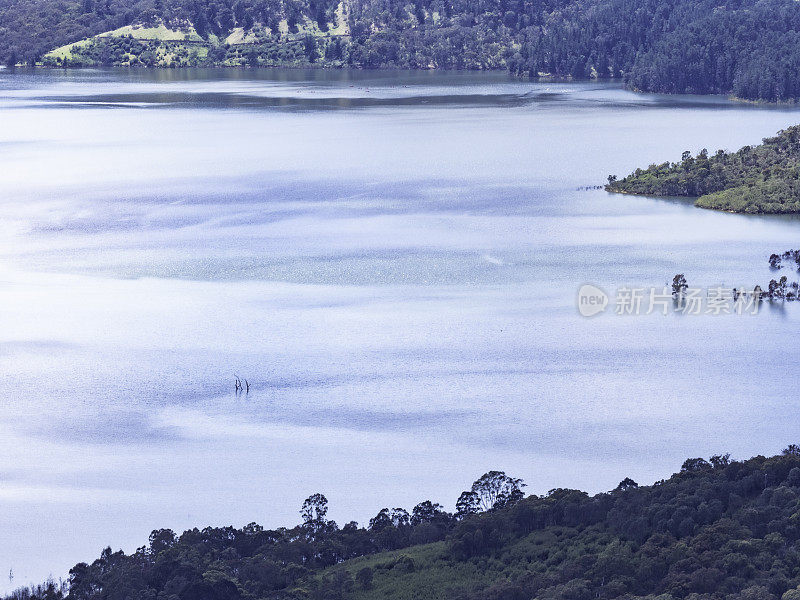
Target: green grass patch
x,y
161,33
416,573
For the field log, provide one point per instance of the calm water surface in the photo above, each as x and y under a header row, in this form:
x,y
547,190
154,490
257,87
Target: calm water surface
x,y
391,260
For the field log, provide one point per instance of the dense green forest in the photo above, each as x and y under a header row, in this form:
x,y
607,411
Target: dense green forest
x,y
749,48
718,528
756,179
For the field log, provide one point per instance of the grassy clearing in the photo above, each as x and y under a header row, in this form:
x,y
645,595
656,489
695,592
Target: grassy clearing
x,y
65,52
425,572
415,573
430,571
161,33
139,32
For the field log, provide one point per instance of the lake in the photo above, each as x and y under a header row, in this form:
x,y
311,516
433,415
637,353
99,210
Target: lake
x,y
392,261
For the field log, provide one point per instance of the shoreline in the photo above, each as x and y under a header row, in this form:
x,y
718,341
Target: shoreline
x,y
694,203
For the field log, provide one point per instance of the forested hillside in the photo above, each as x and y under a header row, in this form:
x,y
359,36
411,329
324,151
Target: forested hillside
x,y
716,529
29,28
750,48
760,179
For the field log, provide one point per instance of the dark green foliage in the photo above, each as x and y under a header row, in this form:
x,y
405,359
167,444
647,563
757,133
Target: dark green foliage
x,y
718,529
494,490
30,28
626,484
750,48
679,285
364,578
760,179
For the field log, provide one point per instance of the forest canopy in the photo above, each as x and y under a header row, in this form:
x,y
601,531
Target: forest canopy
x,y
748,48
761,179
717,529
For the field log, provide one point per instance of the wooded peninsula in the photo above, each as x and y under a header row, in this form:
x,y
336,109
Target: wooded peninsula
x,y
763,179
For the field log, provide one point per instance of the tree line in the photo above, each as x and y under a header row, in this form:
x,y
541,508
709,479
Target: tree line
x,y
748,48
717,529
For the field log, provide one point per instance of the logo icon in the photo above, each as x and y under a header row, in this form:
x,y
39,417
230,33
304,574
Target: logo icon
x,y
591,300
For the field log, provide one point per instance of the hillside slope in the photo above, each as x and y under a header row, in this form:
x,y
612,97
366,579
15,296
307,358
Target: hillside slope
x,y
716,529
749,48
30,28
